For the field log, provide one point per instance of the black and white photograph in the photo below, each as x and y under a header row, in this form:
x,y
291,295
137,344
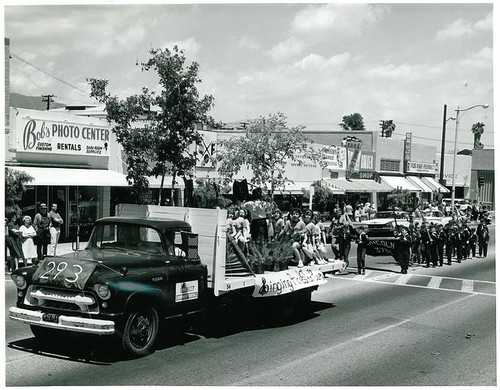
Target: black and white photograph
x,y
288,194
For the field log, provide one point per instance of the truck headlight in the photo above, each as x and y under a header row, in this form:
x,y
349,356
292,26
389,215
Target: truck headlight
x,y
103,291
19,281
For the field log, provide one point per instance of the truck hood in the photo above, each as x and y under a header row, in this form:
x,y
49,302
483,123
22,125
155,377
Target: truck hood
x,y
73,270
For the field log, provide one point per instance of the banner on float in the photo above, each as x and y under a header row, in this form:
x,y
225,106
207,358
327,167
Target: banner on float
x,y
283,282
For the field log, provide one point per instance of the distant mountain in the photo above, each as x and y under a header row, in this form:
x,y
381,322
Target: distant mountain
x,y
31,102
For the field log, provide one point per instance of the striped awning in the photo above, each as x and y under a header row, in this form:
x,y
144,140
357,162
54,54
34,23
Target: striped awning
x,y
356,185
433,183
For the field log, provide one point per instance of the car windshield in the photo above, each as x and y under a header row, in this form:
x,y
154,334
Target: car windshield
x,y
126,237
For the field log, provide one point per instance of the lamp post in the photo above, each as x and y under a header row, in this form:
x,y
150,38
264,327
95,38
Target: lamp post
x,y
443,141
457,121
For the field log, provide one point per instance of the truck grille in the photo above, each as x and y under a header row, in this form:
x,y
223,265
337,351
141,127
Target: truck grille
x,y
67,300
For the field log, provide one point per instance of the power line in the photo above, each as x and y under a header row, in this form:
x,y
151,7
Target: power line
x,y
48,74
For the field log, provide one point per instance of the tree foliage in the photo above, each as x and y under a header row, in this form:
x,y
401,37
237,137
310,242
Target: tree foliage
x,y
207,194
157,130
478,130
353,122
266,147
399,199
15,187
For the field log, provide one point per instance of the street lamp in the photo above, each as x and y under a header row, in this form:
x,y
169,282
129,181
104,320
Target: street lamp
x,y
443,141
457,121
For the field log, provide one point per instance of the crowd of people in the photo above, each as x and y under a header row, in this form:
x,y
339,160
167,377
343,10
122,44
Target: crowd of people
x,y
27,241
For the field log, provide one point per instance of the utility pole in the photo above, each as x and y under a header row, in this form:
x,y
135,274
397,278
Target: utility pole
x,y
48,99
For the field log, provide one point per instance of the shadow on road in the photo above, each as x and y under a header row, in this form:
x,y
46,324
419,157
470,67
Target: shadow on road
x,y
73,347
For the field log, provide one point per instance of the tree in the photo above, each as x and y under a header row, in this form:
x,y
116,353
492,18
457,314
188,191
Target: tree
x,y
388,127
400,199
478,130
208,195
163,145
266,147
15,187
353,122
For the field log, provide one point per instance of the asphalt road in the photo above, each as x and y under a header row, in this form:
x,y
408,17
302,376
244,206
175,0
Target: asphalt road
x,y
434,326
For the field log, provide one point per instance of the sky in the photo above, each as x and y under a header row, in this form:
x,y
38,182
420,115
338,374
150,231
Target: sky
x,y
314,62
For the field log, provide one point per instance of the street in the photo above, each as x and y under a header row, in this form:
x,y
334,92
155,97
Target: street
x,y
431,327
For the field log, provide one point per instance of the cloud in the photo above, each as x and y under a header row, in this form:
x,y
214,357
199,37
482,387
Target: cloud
x,y
485,24
348,19
316,61
189,45
286,49
480,59
248,43
457,29
461,28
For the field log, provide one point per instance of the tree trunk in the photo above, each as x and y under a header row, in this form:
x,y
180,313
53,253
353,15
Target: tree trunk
x,y
174,175
161,187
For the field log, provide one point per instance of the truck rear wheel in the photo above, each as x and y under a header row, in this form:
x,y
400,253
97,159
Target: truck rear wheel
x,y
140,331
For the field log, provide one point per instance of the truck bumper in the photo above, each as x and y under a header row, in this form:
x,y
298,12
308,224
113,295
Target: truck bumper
x,y
75,324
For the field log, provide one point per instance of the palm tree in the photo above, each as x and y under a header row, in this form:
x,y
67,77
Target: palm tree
x,y
478,130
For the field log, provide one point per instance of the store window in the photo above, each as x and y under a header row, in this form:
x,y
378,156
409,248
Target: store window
x,y
83,211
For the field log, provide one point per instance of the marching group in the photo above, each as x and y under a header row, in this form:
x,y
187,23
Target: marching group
x,y
27,240
431,244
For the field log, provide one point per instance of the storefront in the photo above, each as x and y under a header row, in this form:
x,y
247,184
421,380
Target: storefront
x,y
68,158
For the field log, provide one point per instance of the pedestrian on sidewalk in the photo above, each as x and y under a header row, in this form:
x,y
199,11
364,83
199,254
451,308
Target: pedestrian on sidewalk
x,y
28,244
14,242
55,228
41,223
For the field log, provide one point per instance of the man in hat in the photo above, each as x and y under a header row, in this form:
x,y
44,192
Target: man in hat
x,y
55,228
41,223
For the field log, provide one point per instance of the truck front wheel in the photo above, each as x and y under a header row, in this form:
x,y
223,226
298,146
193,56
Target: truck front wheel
x,y
140,331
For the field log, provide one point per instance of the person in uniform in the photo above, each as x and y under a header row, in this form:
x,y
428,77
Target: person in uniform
x,y
362,242
441,241
404,248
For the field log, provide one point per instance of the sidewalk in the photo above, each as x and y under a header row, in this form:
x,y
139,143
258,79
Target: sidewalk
x,y
62,249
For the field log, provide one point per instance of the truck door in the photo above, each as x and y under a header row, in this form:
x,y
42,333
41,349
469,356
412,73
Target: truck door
x,y
186,276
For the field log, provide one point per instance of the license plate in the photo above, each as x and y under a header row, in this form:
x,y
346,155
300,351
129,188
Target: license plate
x,y
49,317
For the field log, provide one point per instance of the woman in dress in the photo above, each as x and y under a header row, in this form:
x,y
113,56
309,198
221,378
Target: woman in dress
x,y
29,248
14,242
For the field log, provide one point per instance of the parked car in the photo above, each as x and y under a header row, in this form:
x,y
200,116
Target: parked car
x,y
436,217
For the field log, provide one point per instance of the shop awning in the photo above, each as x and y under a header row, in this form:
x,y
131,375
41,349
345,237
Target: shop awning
x,y
357,185
419,183
46,176
295,188
400,182
433,183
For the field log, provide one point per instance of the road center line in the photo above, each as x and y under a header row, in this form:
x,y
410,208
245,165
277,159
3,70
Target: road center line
x,y
382,330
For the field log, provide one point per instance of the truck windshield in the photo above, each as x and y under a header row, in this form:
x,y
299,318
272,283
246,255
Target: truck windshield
x,y
120,236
